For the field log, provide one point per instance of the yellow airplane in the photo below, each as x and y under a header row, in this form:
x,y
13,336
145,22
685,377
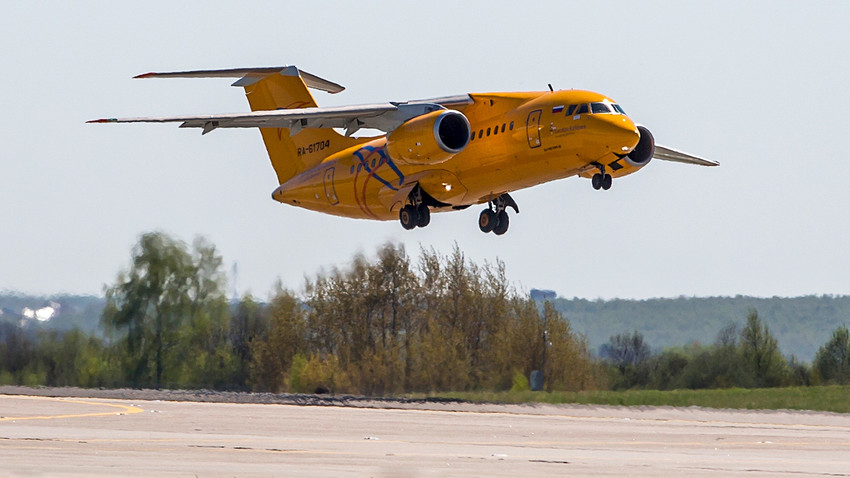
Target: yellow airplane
x,y
439,154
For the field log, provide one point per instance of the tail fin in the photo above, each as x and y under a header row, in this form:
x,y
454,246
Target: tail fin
x,y
286,89
282,87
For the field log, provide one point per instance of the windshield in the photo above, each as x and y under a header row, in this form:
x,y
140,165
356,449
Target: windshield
x,y
600,108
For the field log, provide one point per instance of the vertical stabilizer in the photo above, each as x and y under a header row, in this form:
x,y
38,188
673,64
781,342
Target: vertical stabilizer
x,y
286,88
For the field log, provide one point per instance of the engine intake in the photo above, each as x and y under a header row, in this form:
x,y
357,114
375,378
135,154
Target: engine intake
x,y
640,156
431,138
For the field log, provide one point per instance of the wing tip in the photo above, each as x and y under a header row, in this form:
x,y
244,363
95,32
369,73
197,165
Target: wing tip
x,y
103,120
145,75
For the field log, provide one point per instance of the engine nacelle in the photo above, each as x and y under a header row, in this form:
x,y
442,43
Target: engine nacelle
x,y
642,154
431,138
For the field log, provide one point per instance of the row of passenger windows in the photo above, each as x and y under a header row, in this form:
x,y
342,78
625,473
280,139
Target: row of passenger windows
x,y
594,108
494,130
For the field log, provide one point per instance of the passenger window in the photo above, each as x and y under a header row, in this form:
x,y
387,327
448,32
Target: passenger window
x,y
480,133
373,164
488,131
512,126
503,127
571,109
582,109
359,167
352,169
473,136
496,130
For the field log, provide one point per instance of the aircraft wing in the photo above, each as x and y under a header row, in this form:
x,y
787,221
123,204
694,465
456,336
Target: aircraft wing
x,y
382,116
670,154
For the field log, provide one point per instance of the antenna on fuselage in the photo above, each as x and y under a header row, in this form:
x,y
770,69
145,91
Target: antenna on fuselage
x,y
550,87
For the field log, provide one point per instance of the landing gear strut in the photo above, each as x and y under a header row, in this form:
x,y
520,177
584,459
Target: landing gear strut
x,y
415,213
601,180
495,219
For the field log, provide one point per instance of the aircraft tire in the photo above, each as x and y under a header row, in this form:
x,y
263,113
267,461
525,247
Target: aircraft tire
x,y
596,181
408,217
606,182
502,223
487,220
423,215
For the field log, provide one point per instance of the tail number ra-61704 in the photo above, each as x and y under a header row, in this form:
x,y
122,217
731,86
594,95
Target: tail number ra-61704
x,y
314,148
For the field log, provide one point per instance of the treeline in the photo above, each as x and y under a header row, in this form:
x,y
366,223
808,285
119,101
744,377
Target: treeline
x,y
383,325
801,325
748,358
387,325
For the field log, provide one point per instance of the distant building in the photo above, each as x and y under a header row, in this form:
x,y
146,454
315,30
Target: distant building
x,y
42,315
543,294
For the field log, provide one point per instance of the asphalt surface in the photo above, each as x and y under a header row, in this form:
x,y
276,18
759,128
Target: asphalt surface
x,y
68,432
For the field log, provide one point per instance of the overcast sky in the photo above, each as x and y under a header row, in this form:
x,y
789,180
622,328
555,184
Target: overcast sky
x,y
761,87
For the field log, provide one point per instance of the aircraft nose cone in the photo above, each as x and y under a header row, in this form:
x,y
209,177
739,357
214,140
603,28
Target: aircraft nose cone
x,y
621,132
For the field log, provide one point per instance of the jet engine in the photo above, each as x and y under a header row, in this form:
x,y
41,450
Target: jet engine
x,y
640,156
431,138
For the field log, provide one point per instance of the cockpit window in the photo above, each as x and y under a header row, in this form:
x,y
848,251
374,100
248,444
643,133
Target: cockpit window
x,y
600,108
619,109
571,109
582,109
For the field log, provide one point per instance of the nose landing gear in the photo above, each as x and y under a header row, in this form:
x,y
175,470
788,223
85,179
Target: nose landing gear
x,y
495,219
601,180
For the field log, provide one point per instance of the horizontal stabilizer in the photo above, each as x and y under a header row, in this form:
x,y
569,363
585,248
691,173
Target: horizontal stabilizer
x,y
250,75
670,154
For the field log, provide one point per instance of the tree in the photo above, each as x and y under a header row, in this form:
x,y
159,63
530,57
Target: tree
x,y
168,314
272,354
630,356
760,353
833,358
626,350
248,325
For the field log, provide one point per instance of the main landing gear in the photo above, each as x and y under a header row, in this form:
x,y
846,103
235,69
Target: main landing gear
x,y
601,180
495,218
416,213
412,216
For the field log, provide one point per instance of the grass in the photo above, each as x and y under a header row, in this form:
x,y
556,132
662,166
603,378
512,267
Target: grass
x,y
831,398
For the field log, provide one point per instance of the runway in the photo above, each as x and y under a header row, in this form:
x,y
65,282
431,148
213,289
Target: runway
x,y
50,436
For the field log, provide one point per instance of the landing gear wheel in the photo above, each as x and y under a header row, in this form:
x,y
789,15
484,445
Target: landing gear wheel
x,y
487,220
408,217
501,223
423,215
597,180
606,182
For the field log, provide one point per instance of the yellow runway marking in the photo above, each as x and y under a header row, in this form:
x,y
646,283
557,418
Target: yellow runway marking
x,y
124,409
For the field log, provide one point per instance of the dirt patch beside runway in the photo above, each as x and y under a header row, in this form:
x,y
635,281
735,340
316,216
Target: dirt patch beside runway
x,y
211,396
439,404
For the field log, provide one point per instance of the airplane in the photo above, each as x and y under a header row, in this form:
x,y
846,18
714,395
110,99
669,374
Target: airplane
x,y
439,154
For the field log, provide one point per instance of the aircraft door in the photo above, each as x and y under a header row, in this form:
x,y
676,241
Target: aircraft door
x,y
330,192
532,126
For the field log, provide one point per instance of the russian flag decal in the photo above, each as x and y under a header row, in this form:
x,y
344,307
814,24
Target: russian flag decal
x,y
557,109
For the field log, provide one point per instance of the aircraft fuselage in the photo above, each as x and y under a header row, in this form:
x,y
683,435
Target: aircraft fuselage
x,y
518,140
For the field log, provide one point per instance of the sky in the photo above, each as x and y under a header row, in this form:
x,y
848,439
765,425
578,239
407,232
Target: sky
x,y
760,86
